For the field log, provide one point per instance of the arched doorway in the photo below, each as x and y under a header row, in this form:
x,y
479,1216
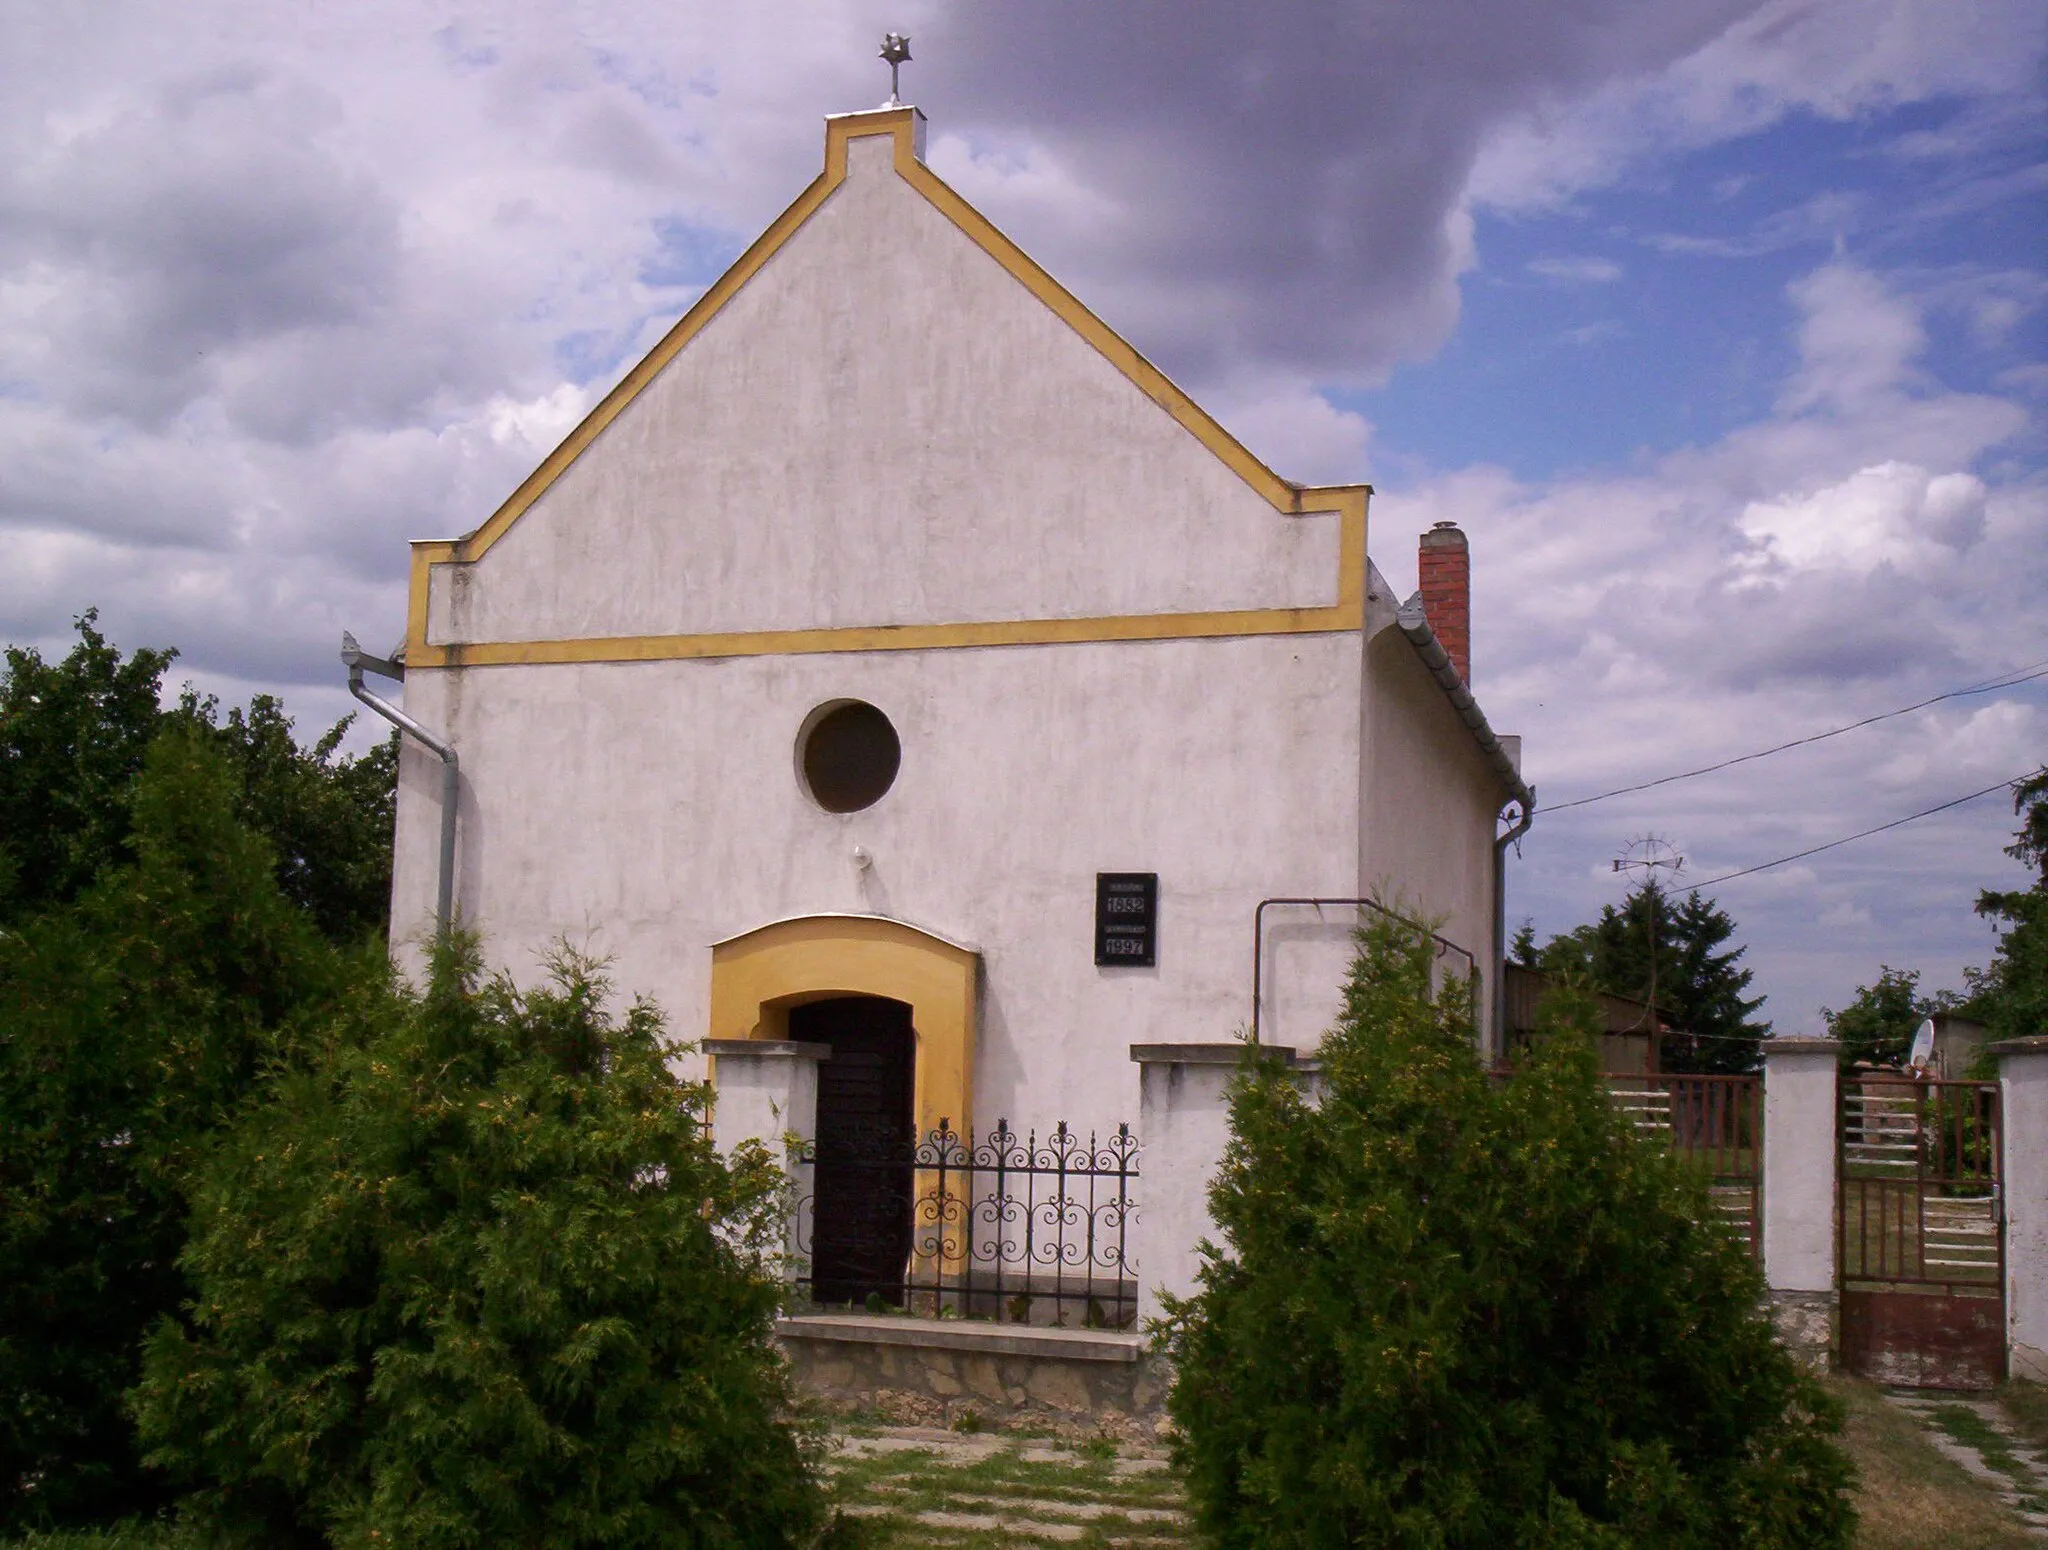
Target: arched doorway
x,y
863,1177
761,978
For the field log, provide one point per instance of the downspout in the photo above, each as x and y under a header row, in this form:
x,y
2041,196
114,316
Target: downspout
x,y
357,660
1527,798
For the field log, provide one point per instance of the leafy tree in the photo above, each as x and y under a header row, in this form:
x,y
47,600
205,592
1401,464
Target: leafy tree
x,y
1676,955
133,1020
73,735
329,819
2012,994
1878,1026
479,1278
1457,1312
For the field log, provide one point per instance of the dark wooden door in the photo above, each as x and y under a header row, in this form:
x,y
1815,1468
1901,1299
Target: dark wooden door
x,y
867,1138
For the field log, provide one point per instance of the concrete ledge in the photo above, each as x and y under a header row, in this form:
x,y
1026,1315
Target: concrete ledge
x,y
1206,1054
786,1049
1779,1044
1073,1345
2033,1044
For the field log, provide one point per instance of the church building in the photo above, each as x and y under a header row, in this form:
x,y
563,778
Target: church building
x,y
897,662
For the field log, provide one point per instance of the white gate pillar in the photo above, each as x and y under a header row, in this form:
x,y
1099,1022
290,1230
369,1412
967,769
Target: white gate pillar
x,y
1183,1125
766,1090
2023,1180
1800,1159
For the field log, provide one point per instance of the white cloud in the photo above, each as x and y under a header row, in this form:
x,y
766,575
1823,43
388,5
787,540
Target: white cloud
x,y
1770,61
540,423
1583,271
1893,514
1795,575
1857,339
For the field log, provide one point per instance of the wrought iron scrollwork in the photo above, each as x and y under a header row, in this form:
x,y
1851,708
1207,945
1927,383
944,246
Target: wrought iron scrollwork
x,y
1009,1226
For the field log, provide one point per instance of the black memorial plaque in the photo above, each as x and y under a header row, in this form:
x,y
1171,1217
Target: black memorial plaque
x,y
1127,919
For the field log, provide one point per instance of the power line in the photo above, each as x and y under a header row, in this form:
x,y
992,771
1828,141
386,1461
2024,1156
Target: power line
x,y
1765,866
2019,675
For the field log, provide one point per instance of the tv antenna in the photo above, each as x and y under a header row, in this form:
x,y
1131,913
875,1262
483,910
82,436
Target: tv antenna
x,y
1646,855
896,50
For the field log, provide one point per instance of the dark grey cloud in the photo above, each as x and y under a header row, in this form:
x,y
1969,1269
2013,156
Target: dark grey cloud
x,y
204,216
1288,178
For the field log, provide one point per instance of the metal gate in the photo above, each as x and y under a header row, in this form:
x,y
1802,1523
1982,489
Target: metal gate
x,y
1715,1123
1921,1231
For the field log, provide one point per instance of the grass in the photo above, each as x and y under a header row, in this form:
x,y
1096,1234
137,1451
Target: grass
x,y
1910,1496
1970,1429
920,1496
2026,1407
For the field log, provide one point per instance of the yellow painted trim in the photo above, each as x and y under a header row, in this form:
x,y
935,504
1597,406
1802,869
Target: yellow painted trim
x,y
886,637
1347,501
758,977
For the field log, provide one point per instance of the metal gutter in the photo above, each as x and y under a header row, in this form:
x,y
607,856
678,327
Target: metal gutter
x,y
1499,1020
1415,625
357,660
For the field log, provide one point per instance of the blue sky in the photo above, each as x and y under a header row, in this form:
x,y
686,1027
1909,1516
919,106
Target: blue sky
x,y
1721,325
1654,314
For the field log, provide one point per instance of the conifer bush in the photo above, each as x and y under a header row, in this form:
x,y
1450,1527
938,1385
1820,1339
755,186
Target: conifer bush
x,y
478,1278
1455,1310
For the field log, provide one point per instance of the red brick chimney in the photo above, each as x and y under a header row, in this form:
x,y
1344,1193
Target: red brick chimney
x,y
1445,571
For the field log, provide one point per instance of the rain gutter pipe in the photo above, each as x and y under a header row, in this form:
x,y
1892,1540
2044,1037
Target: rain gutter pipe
x,y
1415,626
357,661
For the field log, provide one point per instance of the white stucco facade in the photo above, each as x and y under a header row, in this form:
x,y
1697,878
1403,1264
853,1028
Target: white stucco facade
x,y
892,463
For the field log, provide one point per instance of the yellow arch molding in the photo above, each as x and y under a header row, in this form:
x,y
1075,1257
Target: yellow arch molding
x,y
757,977
1347,501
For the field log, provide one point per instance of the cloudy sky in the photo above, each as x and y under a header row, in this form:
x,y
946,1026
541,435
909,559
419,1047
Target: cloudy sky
x,y
1718,324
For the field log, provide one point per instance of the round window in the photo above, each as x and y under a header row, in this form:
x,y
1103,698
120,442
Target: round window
x,y
847,754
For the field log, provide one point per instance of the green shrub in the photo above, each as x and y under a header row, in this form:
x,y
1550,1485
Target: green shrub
x,y
134,1019
1457,1311
479,1279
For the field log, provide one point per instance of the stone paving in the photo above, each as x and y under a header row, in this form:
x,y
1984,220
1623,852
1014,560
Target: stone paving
x,y
1971,1430
924,1486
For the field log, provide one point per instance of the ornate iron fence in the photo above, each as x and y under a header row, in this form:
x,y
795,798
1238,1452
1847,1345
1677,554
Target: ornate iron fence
x,y
1011,1227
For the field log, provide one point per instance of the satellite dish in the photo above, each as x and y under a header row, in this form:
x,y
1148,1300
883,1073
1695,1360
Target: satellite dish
x,y
1922,1056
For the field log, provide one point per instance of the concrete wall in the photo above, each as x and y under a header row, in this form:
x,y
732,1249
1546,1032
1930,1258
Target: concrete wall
x,y
2023,1084
884,427
948,1374
1428,800
652,809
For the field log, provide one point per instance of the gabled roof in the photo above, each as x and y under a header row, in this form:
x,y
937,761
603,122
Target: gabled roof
x,y
903,126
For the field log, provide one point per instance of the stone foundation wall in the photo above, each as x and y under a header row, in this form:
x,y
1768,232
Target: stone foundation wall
x,y
1806,1325
946,1373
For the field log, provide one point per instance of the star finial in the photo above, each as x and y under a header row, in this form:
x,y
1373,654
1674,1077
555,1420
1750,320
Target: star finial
x,y
896,50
